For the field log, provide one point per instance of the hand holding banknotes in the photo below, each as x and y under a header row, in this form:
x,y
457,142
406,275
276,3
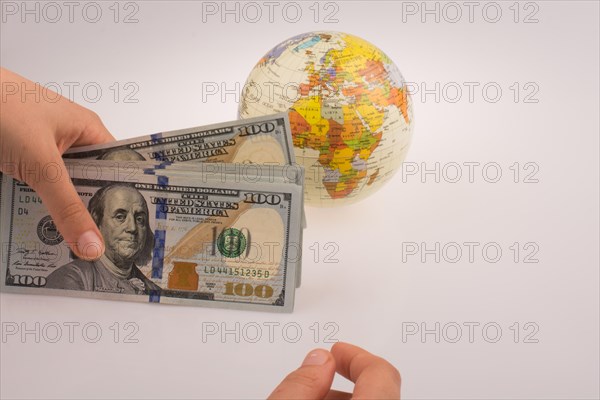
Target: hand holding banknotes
x,y
374,377
36,127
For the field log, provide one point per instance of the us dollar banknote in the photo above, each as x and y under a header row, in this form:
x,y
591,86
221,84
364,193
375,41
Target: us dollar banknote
x,y
182,238
263,140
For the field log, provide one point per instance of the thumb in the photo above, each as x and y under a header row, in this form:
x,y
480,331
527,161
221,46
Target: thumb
x,y
311,381
69,214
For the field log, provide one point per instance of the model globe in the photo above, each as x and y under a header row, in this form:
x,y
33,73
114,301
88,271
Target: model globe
x,y
350,113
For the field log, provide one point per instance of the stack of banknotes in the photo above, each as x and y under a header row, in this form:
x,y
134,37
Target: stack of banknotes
x,y
210,216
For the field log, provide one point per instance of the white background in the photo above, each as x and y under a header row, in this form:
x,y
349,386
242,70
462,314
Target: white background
x,y
370,295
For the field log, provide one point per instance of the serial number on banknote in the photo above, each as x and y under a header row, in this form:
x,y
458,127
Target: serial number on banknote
x,y
233,271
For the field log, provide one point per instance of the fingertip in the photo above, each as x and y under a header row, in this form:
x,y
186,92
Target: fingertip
x,y
317,357
89,246
104,135
94,131
339,344
69,214
342,347
107,136
374,376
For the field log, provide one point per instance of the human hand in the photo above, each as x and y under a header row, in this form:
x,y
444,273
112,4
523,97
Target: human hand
x,y
373,377
36,127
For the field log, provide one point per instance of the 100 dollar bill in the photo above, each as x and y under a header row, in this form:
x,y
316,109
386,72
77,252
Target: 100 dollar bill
x,y
169,239
263,140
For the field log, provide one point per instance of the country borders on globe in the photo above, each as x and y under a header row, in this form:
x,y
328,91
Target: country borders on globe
x,y
351,114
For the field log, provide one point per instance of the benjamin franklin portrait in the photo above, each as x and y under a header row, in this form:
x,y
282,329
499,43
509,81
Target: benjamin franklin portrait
x,y
121,213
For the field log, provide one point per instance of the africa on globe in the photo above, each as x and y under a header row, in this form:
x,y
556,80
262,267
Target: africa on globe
x,y
350,112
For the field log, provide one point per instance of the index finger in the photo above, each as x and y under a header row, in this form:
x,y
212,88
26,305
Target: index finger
x,y
374,377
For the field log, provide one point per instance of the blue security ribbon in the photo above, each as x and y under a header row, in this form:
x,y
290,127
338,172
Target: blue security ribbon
x,y
158,253
154,296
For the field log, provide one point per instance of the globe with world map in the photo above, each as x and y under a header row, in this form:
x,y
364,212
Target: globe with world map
x,y
350,112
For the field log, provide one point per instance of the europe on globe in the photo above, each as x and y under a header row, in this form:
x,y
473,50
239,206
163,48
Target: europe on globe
x,y
350,112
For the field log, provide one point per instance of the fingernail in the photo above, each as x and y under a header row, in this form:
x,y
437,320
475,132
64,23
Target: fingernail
x,y
316,357
90,245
